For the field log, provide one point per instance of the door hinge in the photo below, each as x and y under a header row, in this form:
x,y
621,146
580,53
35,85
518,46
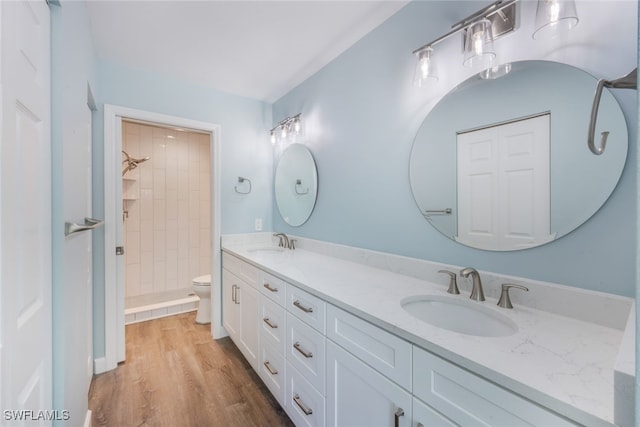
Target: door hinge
x,y
119,250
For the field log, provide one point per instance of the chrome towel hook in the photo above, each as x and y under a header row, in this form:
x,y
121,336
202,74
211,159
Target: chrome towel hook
x,y
630,81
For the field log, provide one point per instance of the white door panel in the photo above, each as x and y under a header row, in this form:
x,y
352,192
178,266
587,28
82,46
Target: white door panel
x,y
25,197
504,185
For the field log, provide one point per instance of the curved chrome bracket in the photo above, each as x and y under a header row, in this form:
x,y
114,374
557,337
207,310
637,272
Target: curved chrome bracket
x,y
89,224
630,81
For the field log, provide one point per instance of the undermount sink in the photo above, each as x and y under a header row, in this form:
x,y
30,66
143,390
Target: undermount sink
x,y
266,249
459,315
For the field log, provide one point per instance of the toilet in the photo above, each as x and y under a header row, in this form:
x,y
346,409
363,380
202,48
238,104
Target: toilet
x,y
202,288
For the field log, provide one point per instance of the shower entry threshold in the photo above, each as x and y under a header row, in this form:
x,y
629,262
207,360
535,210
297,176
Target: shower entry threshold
x,y
140,308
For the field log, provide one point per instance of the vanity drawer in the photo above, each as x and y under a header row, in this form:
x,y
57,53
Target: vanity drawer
x,y
272,371
274,288
304,404
386,353
307,307
470,400
272,324
242,269
306,351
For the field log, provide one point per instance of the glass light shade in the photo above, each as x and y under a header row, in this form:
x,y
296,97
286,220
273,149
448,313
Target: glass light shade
x,y
426,69
496,72
297,125
478,48
554,16
272,137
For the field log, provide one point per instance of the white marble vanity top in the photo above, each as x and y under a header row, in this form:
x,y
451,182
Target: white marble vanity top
x,y
561,362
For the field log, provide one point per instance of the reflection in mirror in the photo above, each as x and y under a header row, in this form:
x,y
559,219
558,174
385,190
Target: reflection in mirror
x,y
502,164
296,185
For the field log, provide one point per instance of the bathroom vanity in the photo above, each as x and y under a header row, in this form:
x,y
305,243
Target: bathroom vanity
x,y
324,327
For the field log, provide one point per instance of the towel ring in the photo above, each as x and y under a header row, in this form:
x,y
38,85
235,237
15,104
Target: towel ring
x,y
242,180
295,188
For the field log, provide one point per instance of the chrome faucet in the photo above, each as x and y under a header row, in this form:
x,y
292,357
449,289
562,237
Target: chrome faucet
x,y
285,242
476,293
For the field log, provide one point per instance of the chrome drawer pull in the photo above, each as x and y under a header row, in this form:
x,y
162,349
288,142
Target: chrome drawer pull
x,y
268,286
233,293
269,368
307,411
302,307
399,413
271,324
306,354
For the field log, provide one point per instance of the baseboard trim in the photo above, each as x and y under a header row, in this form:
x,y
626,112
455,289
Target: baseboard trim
x,y
100,365
87,419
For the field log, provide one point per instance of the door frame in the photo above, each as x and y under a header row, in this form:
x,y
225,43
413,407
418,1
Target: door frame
x,y
114,276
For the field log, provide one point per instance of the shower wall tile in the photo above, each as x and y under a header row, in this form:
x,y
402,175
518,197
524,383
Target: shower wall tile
x,y
168,231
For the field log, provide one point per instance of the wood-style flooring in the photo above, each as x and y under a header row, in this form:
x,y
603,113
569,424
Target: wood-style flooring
x,y
176,375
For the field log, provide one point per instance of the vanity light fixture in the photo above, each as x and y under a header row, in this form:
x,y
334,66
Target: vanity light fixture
x,y
480,29
553,16
289,128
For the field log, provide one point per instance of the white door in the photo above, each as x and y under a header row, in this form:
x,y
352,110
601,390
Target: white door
x,y
25,214
77,272
504,185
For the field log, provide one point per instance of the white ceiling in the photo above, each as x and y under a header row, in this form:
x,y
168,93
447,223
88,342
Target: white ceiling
x,y
256,49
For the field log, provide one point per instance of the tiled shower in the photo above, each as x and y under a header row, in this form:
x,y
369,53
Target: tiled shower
x,y
167,219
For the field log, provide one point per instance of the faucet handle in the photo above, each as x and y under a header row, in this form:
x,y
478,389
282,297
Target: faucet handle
x,y
292,243
505,300
453,283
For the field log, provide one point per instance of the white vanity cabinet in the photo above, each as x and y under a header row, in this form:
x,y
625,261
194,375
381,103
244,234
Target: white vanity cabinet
x,y
230,310
470,400
326,366
241,307
358,395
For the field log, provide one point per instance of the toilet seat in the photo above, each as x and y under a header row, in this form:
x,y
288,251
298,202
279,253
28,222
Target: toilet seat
x,y
202,280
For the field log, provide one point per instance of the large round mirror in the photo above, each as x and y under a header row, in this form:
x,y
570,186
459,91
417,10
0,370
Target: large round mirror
x,y
504,164
296,184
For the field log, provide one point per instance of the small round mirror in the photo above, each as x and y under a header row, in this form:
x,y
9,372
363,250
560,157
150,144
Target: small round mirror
x,y
296,185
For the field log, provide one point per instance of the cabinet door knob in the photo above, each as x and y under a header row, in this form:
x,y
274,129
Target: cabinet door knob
x,y
298,304
305,353
269,287
269,368
270,323
399,413
302,406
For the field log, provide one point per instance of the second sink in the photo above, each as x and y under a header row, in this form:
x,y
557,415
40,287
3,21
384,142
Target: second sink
x,y
459,315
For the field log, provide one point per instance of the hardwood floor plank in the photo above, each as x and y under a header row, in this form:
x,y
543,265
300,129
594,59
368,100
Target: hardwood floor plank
x,y
177,375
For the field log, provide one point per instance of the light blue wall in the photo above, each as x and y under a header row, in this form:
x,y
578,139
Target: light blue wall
x,y
72,70
245,150
362,115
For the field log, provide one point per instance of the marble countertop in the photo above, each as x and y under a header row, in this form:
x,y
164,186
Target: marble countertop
x,y
560,362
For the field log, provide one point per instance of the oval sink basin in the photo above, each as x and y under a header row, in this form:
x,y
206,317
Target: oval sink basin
x,y
459,315
266,249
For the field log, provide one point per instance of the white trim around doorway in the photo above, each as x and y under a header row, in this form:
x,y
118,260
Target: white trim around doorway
x,y
114,279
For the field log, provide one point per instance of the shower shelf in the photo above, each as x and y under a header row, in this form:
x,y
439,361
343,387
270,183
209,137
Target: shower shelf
x,y
129,198
129,179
